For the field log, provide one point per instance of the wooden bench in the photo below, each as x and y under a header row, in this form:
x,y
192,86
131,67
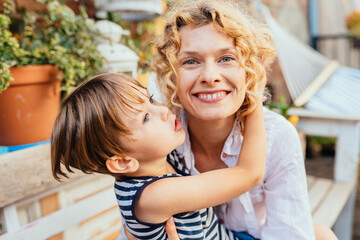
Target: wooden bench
x,y
95,197
35,206
327,199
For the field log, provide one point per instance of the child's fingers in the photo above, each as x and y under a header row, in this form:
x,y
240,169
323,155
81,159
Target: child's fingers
x,y
128,234
171,230
262,85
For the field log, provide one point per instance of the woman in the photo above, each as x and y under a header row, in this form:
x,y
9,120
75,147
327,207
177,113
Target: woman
x,y
209,57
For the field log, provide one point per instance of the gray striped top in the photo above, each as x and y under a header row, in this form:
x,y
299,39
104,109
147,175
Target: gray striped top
x,y
201,224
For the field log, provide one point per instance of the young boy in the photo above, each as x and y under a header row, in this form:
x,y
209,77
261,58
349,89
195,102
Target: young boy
x,y
110,125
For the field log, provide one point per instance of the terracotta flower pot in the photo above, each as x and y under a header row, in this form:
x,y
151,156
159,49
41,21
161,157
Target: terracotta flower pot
x,y
28,108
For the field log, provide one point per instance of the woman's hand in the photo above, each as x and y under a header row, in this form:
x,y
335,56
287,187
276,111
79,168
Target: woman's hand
x,y
128,235
170,229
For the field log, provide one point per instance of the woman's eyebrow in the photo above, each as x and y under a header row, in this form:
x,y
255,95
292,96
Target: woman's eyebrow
x,y
230,49
188,53
221,50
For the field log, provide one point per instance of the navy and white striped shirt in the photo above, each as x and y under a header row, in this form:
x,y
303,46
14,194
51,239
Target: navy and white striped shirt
x,y
201,224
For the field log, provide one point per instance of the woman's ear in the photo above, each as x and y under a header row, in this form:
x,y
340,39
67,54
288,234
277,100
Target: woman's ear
x,y
122,164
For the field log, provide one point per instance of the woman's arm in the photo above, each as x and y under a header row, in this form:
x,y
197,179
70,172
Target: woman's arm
x,y
170,196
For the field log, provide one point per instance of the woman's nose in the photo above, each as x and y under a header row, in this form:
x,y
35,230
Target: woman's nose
x,y
210,73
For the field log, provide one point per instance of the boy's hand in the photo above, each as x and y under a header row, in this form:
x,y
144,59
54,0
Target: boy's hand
x,y
169,227
262,84
260,94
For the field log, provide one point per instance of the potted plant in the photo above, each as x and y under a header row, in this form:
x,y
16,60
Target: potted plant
x,y
55,43
353,25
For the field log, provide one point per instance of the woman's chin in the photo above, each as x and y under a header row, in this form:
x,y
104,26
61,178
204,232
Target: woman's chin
x,y
212,115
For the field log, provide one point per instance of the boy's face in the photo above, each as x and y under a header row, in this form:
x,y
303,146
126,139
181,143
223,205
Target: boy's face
x,y
154,128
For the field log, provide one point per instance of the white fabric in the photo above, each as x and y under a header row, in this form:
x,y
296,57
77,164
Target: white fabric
x,y
278,208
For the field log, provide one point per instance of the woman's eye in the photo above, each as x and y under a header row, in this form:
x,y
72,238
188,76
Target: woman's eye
x,y
151,99
147,117
226,59
190,62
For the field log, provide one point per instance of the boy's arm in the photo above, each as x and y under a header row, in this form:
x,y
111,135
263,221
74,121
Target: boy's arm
x,y
170,196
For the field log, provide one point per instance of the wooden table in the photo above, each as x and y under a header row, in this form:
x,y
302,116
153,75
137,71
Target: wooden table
x,y
346,129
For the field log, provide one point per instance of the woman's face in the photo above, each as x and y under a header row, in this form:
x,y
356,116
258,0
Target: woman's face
x,y
210,80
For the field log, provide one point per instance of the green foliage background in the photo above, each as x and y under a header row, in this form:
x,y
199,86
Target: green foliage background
x,y
56,36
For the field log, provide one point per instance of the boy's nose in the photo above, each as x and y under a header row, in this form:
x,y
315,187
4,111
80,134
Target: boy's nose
x,y
164,113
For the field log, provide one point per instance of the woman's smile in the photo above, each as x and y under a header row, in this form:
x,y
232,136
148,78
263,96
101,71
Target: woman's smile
x,y
211,96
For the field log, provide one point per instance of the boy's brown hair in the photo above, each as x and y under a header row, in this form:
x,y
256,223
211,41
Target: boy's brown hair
x,y
87,130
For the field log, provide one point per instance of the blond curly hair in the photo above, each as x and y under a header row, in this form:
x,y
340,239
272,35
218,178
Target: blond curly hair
x,y
251,38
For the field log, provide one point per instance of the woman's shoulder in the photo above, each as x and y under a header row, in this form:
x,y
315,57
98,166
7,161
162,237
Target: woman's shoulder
x,y
277,125
284,151
282,137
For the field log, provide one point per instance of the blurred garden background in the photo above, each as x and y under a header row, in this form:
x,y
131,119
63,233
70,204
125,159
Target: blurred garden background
x,y
73,36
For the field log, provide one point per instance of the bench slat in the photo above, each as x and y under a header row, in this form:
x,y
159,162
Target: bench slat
x,y
327,198
310,181
38,179
333,203
60,220
318,191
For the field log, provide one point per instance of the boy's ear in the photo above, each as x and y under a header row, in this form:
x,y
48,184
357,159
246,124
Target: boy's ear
x,y
122,164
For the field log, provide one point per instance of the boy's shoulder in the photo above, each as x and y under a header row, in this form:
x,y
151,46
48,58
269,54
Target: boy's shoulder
x,y
129,184
178,162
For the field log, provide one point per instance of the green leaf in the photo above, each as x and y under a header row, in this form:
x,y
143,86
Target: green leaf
x,y
56,36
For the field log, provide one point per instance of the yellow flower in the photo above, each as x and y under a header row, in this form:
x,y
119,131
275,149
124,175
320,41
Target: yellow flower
x,y
293,119
353,23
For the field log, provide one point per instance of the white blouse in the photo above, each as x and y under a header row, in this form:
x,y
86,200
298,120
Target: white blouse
x,y
278,208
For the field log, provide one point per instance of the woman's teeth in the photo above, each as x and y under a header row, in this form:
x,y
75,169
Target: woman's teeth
x,y
211,96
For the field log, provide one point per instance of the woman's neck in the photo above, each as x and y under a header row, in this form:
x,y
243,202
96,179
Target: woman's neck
x,y
208,137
